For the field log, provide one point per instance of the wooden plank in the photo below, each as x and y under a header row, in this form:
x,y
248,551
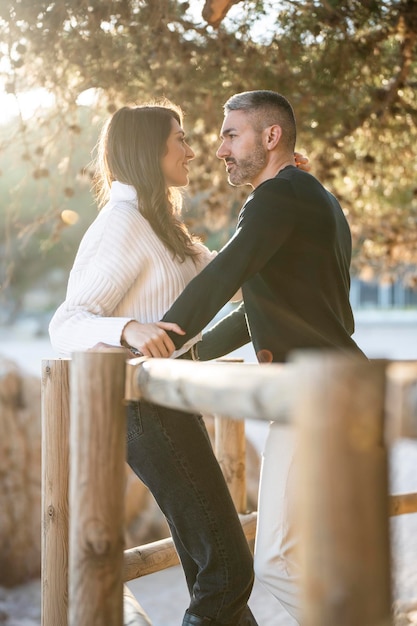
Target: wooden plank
x,y
252,391
341,468
230,450
97,487
401,504
232,390
401,399
159,555
55,469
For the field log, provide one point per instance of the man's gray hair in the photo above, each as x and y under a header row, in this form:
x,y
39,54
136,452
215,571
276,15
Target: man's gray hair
x,y
266,108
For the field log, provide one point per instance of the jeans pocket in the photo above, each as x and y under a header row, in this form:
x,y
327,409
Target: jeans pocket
x,y
134,420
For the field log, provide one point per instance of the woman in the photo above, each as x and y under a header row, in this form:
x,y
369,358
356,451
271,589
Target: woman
x,y
134,260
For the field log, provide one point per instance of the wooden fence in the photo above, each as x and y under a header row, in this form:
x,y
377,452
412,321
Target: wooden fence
x,y
347,412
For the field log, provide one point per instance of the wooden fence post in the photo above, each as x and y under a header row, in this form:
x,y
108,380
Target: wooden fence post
x,y
341,465
230,450
55,469
97,487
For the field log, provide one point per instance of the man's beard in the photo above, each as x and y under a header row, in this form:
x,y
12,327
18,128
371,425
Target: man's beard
x,y
246,170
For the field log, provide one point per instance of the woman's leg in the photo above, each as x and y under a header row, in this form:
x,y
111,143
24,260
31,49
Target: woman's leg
x,y
171,453
276,565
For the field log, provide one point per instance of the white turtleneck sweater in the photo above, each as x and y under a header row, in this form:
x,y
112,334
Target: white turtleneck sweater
x,y
122,272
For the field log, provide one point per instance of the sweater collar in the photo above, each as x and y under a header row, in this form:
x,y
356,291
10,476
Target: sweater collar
x,y
121,191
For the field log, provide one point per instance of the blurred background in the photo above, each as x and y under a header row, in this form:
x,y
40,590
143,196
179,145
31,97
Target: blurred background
x,y
348,67
350,70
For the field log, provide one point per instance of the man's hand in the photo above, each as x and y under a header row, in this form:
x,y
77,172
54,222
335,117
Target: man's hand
x,y
150,339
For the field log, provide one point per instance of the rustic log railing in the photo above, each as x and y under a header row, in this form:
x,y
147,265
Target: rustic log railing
x,y
346,411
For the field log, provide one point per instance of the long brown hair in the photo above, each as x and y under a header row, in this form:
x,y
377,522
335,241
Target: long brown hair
x,y
129,150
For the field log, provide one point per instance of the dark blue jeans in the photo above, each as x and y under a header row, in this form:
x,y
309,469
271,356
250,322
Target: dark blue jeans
x,y
171,453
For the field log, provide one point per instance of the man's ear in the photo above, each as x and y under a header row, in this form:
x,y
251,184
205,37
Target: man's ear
x,y
273,135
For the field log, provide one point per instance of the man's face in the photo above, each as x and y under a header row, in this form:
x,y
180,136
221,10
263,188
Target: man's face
x,y
241,149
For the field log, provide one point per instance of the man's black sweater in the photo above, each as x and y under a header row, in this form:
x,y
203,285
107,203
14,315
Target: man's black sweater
x,y
291,254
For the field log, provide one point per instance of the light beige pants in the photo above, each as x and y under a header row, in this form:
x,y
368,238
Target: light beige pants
x,y
275,559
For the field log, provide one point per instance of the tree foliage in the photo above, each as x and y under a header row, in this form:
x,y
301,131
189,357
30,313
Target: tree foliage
x,y
348,67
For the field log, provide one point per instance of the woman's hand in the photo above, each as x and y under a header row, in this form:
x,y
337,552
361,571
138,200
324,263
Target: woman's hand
x,y
302,162
150,339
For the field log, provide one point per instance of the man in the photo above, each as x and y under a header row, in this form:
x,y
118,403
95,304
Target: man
x,y
290,254
291,249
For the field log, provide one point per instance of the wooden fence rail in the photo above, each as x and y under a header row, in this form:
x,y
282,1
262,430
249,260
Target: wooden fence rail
x,y
347,412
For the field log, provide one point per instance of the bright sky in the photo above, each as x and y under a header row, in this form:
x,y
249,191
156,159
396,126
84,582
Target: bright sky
x,y
32,101
28,103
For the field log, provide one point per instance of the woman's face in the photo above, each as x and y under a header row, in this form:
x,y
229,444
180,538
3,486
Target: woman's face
x,y
178,153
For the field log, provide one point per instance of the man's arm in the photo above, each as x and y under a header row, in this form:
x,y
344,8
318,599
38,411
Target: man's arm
x,y
266,221
203,297
229,334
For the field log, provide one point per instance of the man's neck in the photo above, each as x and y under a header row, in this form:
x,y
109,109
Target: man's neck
x,y
271,170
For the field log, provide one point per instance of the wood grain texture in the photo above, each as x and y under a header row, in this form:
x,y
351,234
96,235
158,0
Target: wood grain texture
x,y
159,555
260,392
97,475
342,509
232,390
55,471
230,450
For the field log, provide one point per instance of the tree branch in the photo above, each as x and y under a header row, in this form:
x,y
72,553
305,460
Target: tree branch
x,y
215,10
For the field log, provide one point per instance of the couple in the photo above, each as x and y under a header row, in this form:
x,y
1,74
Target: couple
x,y
140,280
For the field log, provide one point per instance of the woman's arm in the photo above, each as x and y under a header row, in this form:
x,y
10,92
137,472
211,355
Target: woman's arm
x,y
105,269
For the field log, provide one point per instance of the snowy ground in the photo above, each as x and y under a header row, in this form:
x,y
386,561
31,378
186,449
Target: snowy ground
x,y
164,595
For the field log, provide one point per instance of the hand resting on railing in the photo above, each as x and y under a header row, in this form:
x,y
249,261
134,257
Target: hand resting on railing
x,y
145,340
150,339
